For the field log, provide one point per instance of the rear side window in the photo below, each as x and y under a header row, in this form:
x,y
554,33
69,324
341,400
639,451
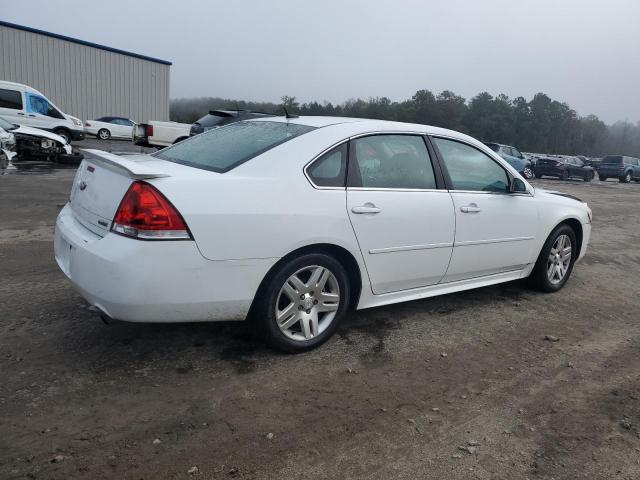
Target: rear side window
x,y
224,148
329,170
10,99
391,161
470,169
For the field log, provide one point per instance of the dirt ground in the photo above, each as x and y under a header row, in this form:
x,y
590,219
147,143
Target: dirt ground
x,y
394,395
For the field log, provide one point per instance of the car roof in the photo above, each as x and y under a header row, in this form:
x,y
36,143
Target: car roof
x,y
365,125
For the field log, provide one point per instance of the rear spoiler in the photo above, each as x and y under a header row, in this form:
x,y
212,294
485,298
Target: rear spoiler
x,y
135,169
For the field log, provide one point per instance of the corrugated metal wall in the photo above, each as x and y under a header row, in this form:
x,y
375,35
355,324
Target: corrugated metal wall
x,y
85,81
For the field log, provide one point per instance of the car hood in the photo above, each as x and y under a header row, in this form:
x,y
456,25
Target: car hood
x,y
37,132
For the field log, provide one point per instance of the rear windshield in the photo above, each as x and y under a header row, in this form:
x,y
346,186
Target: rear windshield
x,y
612,159
224,148
210,120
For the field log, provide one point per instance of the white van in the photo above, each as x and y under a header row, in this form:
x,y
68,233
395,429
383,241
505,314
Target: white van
x,y
24,105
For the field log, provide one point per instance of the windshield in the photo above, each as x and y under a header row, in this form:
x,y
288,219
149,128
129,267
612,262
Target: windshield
x,y
224,148
6,125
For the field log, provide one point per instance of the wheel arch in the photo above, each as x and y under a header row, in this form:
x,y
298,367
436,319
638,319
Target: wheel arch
x,y
344,256
576,226
179,139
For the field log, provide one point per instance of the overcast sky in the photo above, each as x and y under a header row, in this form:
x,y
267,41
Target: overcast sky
x,y
583,52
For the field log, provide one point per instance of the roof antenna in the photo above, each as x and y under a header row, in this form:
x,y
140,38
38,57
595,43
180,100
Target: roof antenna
x,y
287,114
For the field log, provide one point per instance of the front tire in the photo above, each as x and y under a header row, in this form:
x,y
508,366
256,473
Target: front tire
x,y
588,176
64,134
602,178
301,304
626,178
565,175
555,262
104,134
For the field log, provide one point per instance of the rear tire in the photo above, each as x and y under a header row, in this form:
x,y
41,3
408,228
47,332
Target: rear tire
x,y
602,178
293,311
588,176
544,276
527,173
564,176
104,134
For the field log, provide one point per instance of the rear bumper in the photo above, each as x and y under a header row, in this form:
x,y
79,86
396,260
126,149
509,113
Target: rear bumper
x,y
154,281
611,172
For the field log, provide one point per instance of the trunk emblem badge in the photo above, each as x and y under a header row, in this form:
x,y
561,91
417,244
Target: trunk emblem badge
x,y
82,185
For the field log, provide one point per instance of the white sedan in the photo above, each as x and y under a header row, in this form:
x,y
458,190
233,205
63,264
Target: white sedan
x,y
105,128
289,222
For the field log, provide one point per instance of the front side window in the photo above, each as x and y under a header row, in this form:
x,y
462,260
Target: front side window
x,y
38,104
471,169
10,99
224,148
329,170
391,161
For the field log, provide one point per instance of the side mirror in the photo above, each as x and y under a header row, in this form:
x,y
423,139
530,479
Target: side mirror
x,y
517,186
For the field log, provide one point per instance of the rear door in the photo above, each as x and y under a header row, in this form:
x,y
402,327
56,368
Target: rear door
x,y
403,222
495,229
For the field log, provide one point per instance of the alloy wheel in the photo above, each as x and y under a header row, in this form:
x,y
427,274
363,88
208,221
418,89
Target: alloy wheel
x,y
307,303
528,173
559,259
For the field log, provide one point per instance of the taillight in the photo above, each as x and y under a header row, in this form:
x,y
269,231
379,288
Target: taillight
x,y
146,214
149,130
87,124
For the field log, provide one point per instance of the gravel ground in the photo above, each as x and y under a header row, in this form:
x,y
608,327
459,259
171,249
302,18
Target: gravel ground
x,y
463,386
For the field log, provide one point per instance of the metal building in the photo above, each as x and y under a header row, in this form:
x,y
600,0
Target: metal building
x,y
85,79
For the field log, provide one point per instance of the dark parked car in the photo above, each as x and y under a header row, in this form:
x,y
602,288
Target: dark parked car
x,y
621,167
514,157
218,118
563,168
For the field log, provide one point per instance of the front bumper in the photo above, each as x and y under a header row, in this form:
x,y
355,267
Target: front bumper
x,y
77,134
154,281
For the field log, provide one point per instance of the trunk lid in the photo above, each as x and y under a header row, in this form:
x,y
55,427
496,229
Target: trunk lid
x,y
102,180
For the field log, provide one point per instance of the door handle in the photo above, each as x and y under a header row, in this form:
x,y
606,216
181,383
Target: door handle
x,y
31,115
471,208
366,208
20,113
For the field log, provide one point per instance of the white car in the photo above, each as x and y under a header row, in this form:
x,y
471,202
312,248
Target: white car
x,y
24,105
32,142
160,134
110,127
291,221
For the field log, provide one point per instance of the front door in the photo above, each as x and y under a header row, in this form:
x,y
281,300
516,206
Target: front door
x,y
404,224
495,229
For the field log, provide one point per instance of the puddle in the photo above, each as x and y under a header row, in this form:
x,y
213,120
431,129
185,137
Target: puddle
x,y
32,167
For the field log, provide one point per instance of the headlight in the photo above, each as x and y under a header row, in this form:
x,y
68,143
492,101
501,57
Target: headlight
x,y
46,143
77,122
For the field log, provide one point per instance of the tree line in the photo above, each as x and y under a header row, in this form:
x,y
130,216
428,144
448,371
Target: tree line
x,y
540,125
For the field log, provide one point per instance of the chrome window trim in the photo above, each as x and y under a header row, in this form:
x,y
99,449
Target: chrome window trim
x,y
381,189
